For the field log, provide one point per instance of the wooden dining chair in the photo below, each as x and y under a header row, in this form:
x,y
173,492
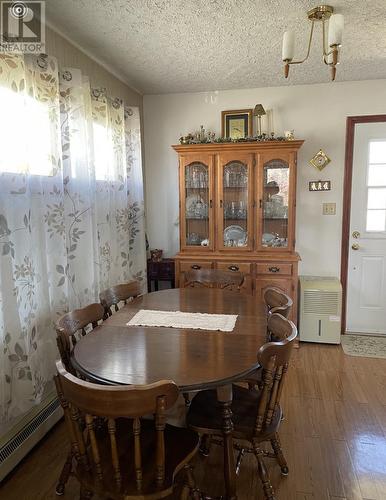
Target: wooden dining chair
x,y
69,328
118,293
256,415
214,278
73,325
278,328
277,301
117,454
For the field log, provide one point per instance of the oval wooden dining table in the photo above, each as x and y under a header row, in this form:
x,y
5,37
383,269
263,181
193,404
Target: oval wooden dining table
x,y
114,353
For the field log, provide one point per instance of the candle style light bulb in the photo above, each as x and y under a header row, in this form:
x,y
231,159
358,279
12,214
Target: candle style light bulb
x,y
335,30
288,50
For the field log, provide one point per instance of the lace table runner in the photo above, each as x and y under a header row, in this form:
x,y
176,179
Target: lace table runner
x,y
178,319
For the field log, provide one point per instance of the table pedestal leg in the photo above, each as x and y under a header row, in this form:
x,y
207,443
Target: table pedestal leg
x,y
224,398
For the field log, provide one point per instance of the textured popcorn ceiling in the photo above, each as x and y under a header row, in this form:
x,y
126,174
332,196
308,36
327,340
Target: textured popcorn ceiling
x,y
163,46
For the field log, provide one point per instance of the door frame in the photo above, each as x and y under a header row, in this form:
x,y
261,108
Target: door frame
x,y
351,121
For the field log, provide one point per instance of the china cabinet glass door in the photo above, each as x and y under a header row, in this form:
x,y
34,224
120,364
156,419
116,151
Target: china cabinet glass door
x,y
275,205
235,201
196,209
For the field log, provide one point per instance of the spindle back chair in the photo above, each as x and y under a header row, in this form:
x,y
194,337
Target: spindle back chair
x,y
119,293
214,278
277,301
74,324
116,453
256,415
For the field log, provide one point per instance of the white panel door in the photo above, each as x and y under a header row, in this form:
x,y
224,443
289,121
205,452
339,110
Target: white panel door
x,y
366,288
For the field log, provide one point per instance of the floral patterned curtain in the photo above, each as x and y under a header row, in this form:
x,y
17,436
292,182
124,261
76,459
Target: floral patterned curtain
x,y
71,213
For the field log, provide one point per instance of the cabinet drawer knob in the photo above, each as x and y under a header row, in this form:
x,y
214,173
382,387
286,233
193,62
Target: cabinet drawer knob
x,y
274,269
233,268
196,266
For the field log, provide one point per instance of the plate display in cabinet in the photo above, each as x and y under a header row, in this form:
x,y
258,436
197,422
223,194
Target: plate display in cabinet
x,y
235,236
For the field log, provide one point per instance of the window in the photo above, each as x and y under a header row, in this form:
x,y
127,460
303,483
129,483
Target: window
x,y
25,132
376,187
103,149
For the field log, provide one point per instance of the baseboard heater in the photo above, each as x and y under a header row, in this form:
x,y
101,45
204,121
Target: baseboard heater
x,y
18,444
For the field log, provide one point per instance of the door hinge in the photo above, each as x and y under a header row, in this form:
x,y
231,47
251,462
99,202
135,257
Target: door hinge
x,y
293,287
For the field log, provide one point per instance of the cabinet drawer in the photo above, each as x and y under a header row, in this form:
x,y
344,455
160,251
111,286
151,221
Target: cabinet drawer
x,y
273,268
197,264
242,267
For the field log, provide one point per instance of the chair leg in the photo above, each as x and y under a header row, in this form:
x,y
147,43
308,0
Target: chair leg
x,y
276,446
64,475
189,489
239,460
205,445
263,473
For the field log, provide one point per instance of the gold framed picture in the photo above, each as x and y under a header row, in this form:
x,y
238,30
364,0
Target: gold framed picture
x,y
320,160
237,123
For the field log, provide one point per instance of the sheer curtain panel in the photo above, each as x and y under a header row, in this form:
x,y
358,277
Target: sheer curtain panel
x,y
71,213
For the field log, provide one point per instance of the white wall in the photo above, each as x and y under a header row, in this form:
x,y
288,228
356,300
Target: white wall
x,y
317,113
71,56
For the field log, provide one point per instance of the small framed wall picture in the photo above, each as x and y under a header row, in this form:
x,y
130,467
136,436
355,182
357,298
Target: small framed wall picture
x,y
319,186
237,123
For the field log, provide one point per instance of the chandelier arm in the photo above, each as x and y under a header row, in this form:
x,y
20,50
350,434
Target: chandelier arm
x,y
309,47
325,52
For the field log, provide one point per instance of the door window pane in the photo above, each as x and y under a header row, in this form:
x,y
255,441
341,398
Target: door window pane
x,y
235,204
275,204
376,198
377,175
376,220
197,204
377,152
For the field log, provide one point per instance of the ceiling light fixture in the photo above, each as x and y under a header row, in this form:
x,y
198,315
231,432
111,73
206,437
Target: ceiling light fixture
x,y
335,22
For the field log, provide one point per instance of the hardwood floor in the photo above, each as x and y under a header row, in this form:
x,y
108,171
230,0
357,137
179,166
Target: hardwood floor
x,y
333,435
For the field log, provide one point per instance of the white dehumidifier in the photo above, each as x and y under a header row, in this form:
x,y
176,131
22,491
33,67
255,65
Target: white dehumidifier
x,y
320,309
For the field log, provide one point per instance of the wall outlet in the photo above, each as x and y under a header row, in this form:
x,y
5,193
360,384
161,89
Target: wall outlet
x,y
329,208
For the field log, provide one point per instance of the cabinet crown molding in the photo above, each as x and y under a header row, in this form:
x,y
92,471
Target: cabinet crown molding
x,y
239,146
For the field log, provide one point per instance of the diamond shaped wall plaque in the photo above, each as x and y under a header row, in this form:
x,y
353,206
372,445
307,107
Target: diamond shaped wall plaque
x,y
320,160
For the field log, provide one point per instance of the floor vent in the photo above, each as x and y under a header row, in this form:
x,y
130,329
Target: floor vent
x,y
25,439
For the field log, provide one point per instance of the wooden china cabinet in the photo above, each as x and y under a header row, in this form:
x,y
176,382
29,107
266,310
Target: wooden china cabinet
x,y
237,211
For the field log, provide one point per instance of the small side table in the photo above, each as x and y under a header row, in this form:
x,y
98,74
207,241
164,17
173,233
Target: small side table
x,y
160,271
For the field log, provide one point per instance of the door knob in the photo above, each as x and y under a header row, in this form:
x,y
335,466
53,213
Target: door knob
x,y
356,234
355,246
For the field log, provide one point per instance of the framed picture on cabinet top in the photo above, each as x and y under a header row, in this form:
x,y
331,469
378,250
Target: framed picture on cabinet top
x,y
236,123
